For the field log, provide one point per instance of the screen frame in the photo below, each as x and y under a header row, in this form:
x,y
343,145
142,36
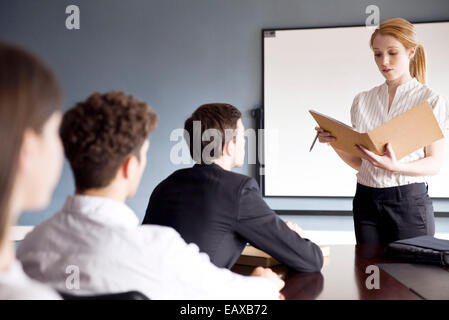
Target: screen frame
x,y
260,118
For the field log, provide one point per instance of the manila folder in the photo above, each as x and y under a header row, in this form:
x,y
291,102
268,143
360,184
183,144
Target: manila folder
x,y
407,132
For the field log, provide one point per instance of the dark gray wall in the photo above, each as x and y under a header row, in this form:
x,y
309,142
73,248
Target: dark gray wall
x,y
176,55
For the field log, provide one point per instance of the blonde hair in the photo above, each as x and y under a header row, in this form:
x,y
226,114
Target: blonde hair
x,y
405,33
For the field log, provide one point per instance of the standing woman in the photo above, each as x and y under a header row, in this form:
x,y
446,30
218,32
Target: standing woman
x,y
31,157
392,201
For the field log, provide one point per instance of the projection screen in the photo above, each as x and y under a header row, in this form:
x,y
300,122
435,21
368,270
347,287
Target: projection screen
x,y
323,69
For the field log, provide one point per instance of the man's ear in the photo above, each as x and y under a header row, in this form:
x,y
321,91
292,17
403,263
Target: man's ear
x,y
127,166
229,148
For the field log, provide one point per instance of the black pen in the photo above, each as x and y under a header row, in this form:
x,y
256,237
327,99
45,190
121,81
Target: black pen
x,y
314,140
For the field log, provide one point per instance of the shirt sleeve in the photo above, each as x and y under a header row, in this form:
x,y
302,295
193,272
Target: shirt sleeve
x,y
190,275
355,111
264,229
440,106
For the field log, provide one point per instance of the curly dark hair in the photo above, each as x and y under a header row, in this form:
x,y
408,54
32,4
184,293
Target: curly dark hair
x,y
218,116
99,134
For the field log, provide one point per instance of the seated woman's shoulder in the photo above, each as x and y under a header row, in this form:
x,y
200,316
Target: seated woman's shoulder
x,y
32,291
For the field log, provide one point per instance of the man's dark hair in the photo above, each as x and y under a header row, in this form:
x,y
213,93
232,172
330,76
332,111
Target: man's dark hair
x,y
99,134
218,116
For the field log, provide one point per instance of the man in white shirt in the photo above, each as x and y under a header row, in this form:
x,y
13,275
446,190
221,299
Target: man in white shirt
x,y
95,244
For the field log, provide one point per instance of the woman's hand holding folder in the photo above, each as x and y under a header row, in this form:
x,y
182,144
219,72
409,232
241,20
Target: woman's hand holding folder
x,y
387,161
326,137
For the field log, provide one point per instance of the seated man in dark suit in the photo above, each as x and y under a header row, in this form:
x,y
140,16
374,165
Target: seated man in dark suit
x,y
220,210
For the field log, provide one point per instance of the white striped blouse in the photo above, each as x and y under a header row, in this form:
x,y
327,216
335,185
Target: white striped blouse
x,y
370,110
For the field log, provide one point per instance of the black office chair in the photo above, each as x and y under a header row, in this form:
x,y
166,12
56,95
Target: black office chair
x,y
130,295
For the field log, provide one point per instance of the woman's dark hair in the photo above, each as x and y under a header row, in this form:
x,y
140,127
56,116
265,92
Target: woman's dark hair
x,y
29,96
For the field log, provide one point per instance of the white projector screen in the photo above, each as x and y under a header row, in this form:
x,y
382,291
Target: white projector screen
x,y
323,69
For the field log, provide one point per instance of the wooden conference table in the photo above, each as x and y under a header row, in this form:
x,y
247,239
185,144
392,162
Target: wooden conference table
x,y
343,277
